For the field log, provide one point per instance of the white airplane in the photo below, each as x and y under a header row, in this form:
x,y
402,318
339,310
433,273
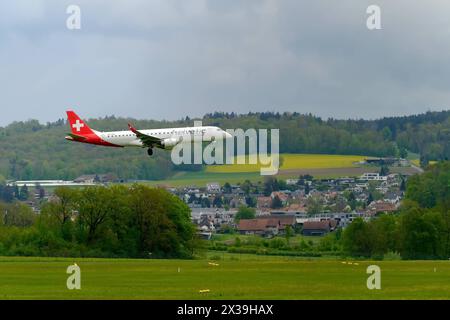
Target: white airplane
x,y
166,138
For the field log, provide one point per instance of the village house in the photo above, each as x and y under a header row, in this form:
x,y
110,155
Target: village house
x,y
266,226
263,202
236,189
263,227
393,197
236,202
318,228
215,217
380,206
213,187
281,195
372,176
95,178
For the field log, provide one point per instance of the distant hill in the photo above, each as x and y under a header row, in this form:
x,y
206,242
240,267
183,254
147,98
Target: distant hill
x,y
30,150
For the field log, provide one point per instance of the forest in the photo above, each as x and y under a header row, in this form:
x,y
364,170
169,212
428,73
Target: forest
x,y
31,150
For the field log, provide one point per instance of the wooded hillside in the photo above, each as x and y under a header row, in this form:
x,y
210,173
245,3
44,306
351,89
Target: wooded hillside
x,y
30,150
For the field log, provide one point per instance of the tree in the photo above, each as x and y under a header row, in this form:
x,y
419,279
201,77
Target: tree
x,y
357,239
227,188
163,221
60,211
7,194
314,204
307,189
340,204
370,198
288,234
351,199
430,188
23,193
384,170
444,208
218,202
403,184
205,203
65,203
403,153
387,133
250,201
424,161
18,215
244,213
246,187
41,193
426,213
270,185
282,185
384,230
419,234
192,198
276,203
95,206
16,191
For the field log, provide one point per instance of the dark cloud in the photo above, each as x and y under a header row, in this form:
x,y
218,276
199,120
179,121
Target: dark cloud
x,y
167,59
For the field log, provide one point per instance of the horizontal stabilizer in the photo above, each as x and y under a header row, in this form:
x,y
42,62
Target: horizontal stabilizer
x,y
71,136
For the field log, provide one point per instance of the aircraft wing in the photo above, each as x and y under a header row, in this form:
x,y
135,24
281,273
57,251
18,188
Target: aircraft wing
x,y
148,141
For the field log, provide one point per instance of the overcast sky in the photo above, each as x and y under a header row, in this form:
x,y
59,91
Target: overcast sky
x,y
167,59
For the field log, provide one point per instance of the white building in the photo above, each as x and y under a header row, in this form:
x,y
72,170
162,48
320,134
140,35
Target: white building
x,y
372,176
213,187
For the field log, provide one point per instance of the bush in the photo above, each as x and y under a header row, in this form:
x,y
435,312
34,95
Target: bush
x,y
215,258
277,243
242,250
218,247
392,256
291,253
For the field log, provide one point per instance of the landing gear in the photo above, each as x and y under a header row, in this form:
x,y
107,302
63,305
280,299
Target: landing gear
x,y
150,151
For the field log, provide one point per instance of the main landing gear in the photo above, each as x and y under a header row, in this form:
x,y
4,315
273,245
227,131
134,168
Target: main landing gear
x,y
150,151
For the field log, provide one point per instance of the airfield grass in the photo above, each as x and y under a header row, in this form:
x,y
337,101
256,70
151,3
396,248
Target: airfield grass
x,y
290,162
235,277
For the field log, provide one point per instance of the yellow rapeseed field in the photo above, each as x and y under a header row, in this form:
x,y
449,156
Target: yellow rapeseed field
x,y
293,161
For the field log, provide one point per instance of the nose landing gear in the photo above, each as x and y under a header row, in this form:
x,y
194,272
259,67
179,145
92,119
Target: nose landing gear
x,y
150,151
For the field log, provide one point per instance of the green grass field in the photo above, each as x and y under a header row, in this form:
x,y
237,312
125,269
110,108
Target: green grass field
x,y
201,178
235,277
296,239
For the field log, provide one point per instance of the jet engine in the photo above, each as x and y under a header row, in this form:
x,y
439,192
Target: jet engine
x,y
169,143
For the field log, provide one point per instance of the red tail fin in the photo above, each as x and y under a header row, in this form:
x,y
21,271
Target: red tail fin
x,y
78,126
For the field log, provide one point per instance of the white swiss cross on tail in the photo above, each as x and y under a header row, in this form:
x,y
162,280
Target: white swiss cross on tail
x,y
78,125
